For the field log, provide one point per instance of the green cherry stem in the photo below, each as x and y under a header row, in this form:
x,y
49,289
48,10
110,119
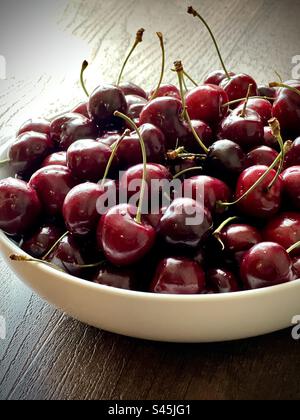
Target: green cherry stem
x,y
185,171
190,78
283,85
293,247
275,127
279,76
193,12
163,64
83,68
237,101
54,246
218,231
138,218
138,40
179,69
243,113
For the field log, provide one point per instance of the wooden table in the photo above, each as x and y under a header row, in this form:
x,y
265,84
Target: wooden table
x,y
46,354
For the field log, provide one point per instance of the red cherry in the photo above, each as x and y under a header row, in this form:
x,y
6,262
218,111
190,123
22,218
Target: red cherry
x,y
166,90
104,102
266,264
216,77
120,278
179,276
20,206
269,139
266,91
28,152
296,266
82,109
204,132
52,184
237,86
58,158
135,104
38,125
129,88
286,109
58,123
87,160
38,244
222,281
291,186
262,201
206,103
292,158
262,155
261,106
123,240
77,129
283,229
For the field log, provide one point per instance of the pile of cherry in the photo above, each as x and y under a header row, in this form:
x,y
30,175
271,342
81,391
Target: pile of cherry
x,y
236,140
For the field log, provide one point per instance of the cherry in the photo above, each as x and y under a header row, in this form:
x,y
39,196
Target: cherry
x,y
20,206
135,104
166,90
80,209
262,155
87,160
28,152
185,223
77,129
104,102
120,278
266,264
203,131
38,244
154,218
207,191
266,91
132,89
237,86
166,114
296,266
123,240
129,151
225,160
58,123
206,103
216,77
183,166
82,109
286,108
283,229
269,139
179,276
261,106
222,281
262,201
292,157
38,125
57,158
244,128
52,184
291,186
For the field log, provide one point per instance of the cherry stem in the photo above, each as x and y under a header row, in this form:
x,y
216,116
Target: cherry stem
x,y
185,171
173,154
129,121
83,68
179,69
114,148
217,232
243,113
293,247
3,162
283,85
138,40
55,245
236,101
193,12
279,76
163,64
275,127
190,79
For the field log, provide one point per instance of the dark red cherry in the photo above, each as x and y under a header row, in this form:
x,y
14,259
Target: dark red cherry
x,y
292,158
82,109
58,158
80,208
262,155
225,160
87,160
38,244
246,130
166,114
222,281
206,103
296,266
239,238
166,90
283,229
291,187
135,104
237,86
104,102
178,276
132,89
266,264
58,123
129,151
77,129
52,184
216,77
185,223
261,106
120,278
123,240
68,256
38,125
154,218
266,91
269,139
206,191
204,132
186,163
28,151
286,108
262,201
20,206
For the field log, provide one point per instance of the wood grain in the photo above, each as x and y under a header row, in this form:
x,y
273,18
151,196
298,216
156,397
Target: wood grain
x,y
49,356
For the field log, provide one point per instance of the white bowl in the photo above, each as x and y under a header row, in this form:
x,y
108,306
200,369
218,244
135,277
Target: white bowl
x,y
205,318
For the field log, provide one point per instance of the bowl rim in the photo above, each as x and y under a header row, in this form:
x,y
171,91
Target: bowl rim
x,y
109,290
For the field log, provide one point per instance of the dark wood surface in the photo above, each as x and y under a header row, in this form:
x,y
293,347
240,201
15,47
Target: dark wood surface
x,y
46,354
